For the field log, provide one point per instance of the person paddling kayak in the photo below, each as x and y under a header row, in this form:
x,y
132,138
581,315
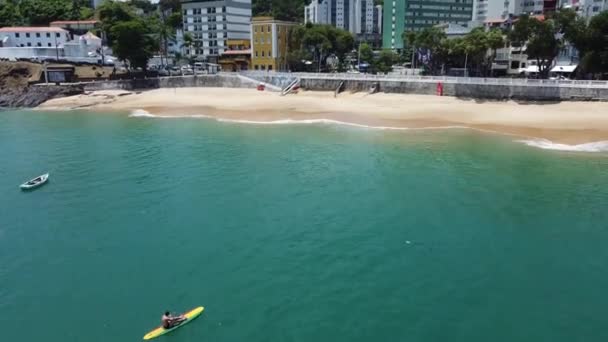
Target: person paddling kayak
x,y
170,321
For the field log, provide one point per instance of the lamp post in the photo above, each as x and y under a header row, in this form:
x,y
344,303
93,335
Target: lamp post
x,y
56,47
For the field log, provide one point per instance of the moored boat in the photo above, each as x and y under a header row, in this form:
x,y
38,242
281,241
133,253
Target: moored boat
x,y
36,182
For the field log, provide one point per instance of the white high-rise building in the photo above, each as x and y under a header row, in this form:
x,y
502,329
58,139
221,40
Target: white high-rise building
x,y
356,16
212,23
501,9
585,8
317,12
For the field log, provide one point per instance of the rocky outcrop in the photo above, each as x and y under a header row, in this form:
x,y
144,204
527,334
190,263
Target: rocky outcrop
x,y
16,89
34,95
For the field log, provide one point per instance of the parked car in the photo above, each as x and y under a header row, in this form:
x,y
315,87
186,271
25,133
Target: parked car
x,y
163,72
187,70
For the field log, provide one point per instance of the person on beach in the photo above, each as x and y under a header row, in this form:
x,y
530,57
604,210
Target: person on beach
x,y
170,321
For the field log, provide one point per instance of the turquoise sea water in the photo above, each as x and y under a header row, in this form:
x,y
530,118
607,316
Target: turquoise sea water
x,y
296,233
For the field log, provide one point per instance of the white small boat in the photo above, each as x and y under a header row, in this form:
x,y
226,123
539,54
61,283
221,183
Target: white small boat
x,y
36,182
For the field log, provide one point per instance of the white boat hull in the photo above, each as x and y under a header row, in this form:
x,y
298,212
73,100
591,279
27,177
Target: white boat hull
x,y
36,182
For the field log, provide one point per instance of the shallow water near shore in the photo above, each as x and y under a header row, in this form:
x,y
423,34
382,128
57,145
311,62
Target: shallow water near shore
x,y
317,232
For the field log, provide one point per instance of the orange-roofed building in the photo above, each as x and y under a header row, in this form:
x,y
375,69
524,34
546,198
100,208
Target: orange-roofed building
x,y
237,57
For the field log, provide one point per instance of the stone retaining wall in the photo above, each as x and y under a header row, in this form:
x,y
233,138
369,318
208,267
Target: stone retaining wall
x,y
464,90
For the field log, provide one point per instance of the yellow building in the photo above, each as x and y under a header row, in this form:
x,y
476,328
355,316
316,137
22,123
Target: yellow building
x,y
237,57
270,42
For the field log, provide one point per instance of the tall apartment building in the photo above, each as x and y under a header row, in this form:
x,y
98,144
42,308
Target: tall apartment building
x,y
212,23
502,9
356,16
318,12
415,15
585,8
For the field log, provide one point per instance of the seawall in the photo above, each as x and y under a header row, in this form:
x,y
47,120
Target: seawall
x,y
209,81
490,89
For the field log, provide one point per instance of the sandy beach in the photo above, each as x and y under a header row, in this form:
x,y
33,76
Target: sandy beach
x,y
565,122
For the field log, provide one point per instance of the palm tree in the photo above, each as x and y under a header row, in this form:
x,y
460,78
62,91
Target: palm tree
x,y
188,42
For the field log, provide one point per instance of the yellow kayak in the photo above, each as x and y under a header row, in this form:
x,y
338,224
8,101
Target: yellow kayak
x,y
190,315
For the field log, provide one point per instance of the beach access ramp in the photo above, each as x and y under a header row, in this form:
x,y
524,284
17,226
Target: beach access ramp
x,y
255,82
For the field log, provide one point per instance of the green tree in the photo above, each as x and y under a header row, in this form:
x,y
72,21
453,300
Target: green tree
x,y
190,44
292,10
543,46
162,28
111,13
434,43
541,41
261,7
10,13
132,42
42,12
86,13
385,61
170,5
596,56
343,44
522,30
588,37
366,53
144,5
495,40
316,42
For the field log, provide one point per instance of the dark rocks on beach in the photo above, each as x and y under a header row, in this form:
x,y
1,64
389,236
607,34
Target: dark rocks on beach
x,y
34,95
17,90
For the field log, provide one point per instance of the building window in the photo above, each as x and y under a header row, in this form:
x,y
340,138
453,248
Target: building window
x,y
262,29
16,35
256,54
257,67
56,35
27,35
39,44
37,34
269,54
263,54
48,44
269,29
48,35
270,68
29,44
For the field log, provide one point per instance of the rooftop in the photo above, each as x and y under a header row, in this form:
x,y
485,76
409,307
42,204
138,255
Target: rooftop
x,y
270,20
236,52
20,29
